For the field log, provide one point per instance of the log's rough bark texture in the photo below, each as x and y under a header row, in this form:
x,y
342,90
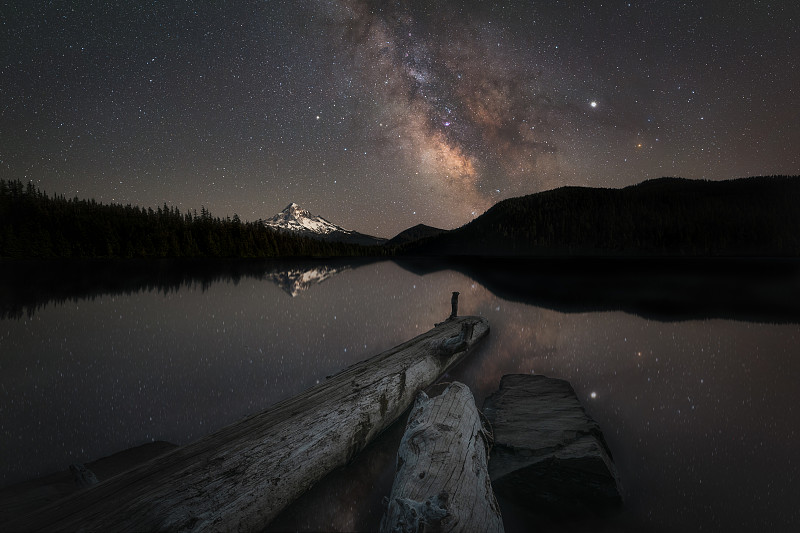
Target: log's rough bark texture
x,y
442,481
240,477
548,454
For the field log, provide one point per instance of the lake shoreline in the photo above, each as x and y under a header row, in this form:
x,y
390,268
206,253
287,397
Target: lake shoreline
x,y
662,288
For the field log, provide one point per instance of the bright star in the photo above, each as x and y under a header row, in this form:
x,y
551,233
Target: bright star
x,y
593,103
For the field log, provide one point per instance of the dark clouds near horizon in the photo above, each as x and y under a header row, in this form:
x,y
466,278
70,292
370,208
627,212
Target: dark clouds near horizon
x,y
382,115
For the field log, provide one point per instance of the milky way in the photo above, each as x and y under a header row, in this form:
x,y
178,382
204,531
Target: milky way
x,y
466,113
382,115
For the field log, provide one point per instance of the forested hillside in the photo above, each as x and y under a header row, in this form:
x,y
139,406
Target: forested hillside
x,y
756,216
34,225
669,216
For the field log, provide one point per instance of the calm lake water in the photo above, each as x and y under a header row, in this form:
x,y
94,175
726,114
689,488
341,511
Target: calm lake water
x,y
701,413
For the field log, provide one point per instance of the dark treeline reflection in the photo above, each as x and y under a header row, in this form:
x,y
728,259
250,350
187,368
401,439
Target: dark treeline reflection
x,y
28,286
687,406
754,290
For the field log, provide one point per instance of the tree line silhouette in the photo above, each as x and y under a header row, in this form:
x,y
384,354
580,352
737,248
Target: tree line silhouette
x,y
668,216
34,225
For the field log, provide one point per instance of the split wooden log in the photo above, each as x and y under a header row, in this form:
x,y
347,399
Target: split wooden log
x,y
442,480
242,476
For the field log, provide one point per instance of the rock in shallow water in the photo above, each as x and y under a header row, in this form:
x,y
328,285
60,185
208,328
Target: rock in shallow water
x,y
548,455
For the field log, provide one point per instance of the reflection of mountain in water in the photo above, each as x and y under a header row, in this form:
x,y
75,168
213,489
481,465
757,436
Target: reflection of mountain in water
x,y
28,286
755,290
296,280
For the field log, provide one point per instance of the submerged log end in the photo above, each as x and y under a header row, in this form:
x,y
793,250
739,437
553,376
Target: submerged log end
x,y
411,516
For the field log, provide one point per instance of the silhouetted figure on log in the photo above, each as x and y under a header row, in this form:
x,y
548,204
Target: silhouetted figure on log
x,y
454,304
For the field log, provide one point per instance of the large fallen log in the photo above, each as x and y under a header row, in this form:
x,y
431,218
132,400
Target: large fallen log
x,y
549,456
442,480
240,477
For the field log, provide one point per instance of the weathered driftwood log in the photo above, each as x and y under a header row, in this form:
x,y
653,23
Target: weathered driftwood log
x,y
442,481
240,477
548,454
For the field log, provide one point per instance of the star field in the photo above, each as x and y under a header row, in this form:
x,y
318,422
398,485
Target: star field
x,y
383,115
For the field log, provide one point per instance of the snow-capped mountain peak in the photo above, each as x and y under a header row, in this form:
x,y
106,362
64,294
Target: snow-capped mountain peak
x,y
295,218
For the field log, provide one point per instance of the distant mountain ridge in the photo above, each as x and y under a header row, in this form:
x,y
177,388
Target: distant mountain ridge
x,y
415,233
755,216
295,219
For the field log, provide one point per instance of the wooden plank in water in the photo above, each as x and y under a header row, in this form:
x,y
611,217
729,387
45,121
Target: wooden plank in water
x,y
242,476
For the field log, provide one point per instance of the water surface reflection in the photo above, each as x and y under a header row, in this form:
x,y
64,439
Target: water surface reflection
x,y
690,408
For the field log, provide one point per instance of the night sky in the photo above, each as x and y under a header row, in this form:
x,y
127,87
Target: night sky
x,y
382,115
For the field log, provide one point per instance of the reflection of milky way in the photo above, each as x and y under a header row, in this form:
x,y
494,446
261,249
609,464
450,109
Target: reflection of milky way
x,y
453,99
679,402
